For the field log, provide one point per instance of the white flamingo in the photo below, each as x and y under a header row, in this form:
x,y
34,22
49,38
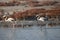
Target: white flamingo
x,y
40,18
8,19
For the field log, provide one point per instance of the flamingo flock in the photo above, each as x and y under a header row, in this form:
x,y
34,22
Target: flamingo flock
x,y
32,13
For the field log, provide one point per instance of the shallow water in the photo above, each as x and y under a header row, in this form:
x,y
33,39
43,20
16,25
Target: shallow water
x,y
30,33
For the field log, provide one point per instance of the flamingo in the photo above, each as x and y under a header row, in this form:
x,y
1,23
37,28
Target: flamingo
x,y
40,18
8,19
